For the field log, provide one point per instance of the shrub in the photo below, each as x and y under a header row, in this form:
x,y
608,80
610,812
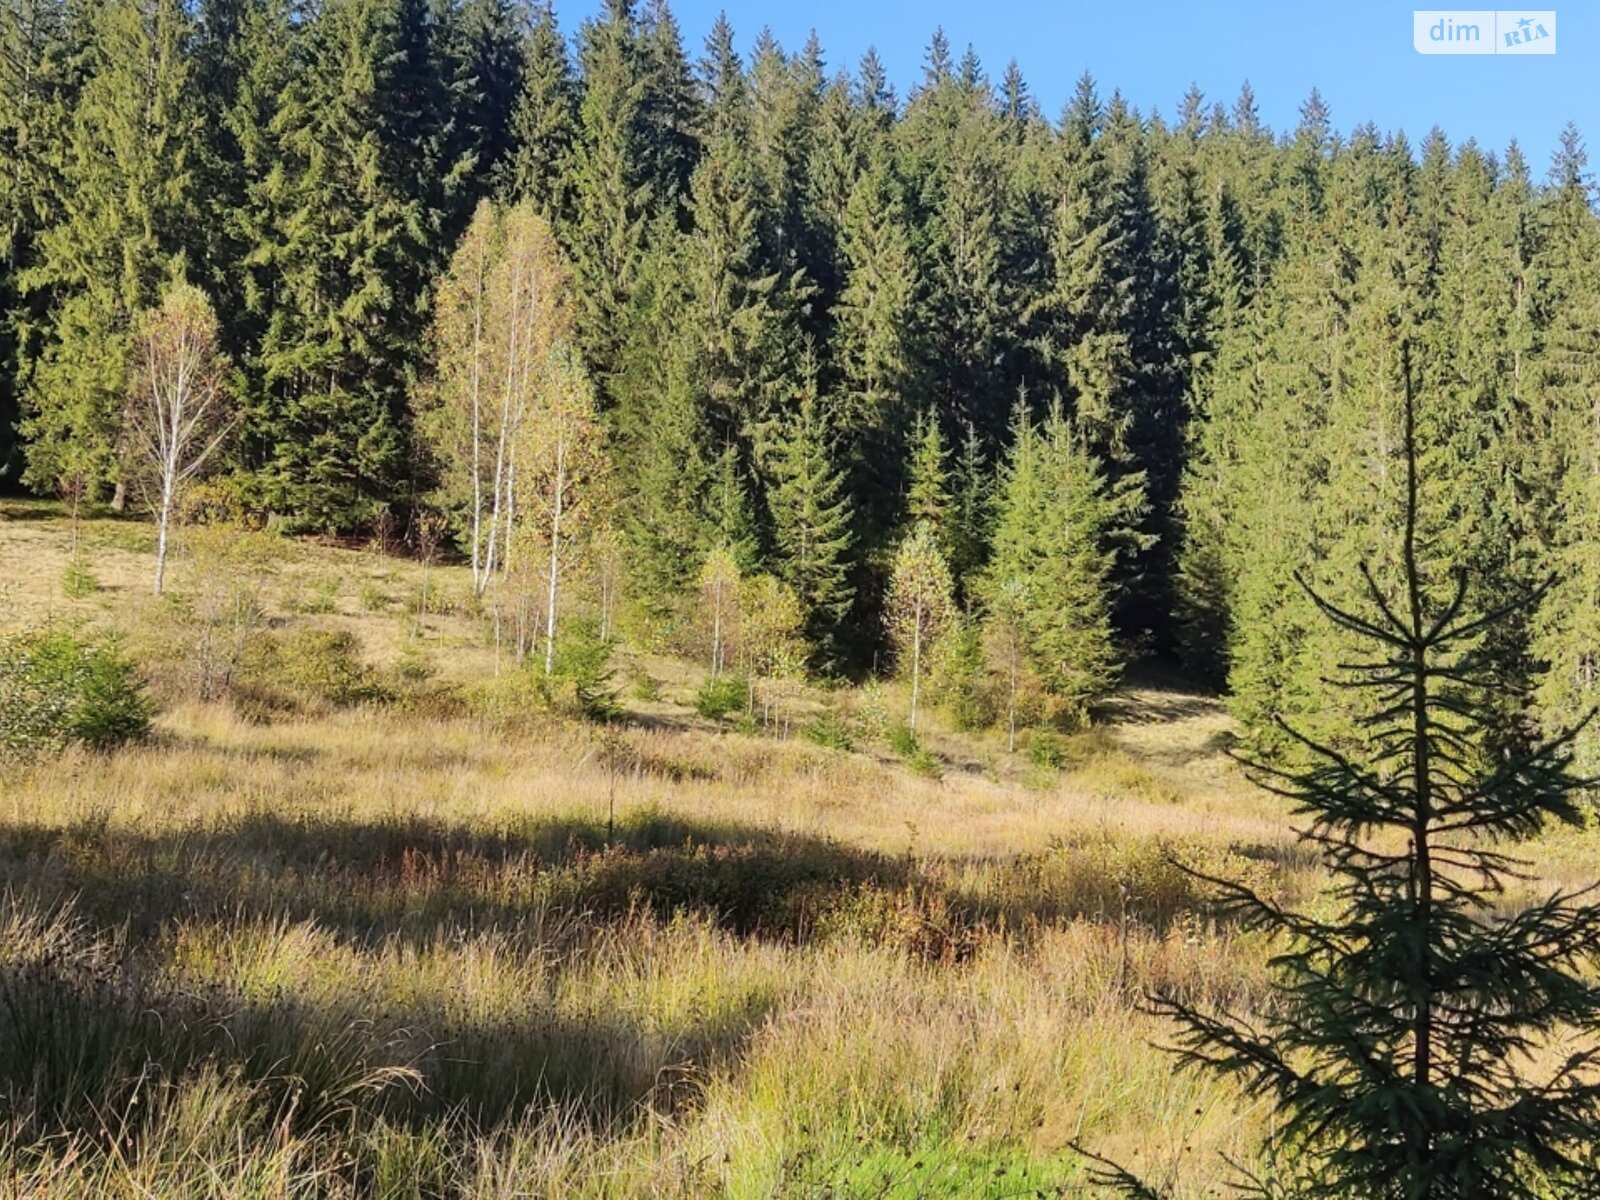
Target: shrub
x,y
581,674
719,697
58,688
308,668
829,729
903,741
415,665
207,626
78,581
374,599
645,686
318,595
1046,750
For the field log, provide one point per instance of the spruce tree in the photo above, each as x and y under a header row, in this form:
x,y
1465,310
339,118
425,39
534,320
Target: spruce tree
x,y
265,54
812,526
785,94
1223,386
1053,552
951,149
544,123
971,509
875,342
487,49
670,109
350,222
38,83
928,478
128,212
1397,1053
1565,391
741,310
612,184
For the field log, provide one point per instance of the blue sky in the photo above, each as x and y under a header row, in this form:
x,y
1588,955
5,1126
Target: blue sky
x,y
1358,53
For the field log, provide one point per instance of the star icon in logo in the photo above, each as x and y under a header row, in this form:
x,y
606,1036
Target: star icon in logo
x,y
1525,22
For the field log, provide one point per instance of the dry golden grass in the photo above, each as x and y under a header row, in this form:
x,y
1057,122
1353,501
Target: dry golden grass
x,y
453,951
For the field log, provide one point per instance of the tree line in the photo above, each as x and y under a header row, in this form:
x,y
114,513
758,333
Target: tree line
x,y
746,353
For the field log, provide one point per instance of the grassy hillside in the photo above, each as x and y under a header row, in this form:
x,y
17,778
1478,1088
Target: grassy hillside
x,y
423,938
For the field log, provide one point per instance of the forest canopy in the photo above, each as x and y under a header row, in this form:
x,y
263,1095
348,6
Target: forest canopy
x,y
1099,382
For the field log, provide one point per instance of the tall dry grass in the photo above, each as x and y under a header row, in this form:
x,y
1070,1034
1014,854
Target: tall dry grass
x,y
370,953
444,947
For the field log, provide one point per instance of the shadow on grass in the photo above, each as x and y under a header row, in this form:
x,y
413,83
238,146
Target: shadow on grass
x,y
82,1030
1156,706
83,1041
420,880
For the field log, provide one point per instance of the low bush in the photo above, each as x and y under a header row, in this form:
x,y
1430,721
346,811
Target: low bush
x,y
904,742
645,686
1046,750
415,664
373,597
307,669
57,687
829,729
79,581
316,595
719,697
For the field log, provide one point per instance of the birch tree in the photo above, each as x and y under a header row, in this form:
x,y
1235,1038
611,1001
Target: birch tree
x,y
920,604
720,580
772,645
461,421
179,411
501,310
559,458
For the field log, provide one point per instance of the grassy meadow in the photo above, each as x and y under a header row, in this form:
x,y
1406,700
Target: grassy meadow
x,y
419,938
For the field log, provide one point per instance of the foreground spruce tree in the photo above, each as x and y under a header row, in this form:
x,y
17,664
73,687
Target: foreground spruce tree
x,y
1423,1045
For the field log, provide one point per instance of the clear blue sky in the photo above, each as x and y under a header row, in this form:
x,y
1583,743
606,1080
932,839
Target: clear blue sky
x,y
1358,53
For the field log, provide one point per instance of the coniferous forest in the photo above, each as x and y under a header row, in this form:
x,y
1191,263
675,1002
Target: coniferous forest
x,y
666,324
612,612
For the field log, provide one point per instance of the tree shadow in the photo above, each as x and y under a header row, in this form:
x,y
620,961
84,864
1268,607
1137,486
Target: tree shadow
x,y
1156,706
84,1039
419,879
79,1034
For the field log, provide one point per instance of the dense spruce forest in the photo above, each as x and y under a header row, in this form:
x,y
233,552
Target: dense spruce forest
x,y
758,359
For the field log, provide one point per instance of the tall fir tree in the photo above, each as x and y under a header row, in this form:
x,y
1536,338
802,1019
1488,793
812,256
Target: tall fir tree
x,y
127,213
875,343
812,526
486,48
40,67
544,123
350,221
1402,1048
741,309
612,184
670,109
928,478
1565,388
1054,549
